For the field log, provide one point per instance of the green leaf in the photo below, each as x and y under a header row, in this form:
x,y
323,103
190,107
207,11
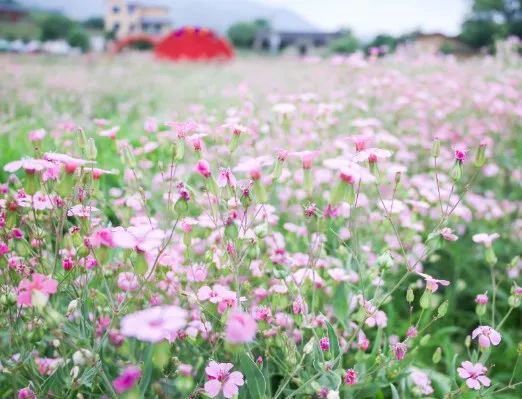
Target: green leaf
x,y
255,380
334,342
340,303
161,354
147,370
88,377
395,393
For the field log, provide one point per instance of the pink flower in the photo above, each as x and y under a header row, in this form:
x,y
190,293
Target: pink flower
x,y
143,238
226,178
307,157
29,165
70,163
485,239
111,133
241,328
350,378
486,336
432,284
460,152
448,235
127,379
203,168
371,155
154,324
26,393
43,284
474,375
37,135
151,125
400,350
422,381
324,344
128,281
481,299
221,380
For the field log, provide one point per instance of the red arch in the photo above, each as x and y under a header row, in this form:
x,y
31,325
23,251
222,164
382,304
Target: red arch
x,y
120,44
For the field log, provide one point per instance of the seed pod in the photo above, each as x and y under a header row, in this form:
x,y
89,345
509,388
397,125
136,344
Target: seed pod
x,y
437,355
435,148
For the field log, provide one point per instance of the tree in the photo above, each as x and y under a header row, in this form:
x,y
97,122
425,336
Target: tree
x,y
490,20
55,26
383,40
346,44
95,23
79,38
242,34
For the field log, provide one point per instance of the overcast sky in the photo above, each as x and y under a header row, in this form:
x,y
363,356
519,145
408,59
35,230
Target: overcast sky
x,y
367,17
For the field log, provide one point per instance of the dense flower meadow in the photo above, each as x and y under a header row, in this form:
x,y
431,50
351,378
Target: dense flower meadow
x,y
343,228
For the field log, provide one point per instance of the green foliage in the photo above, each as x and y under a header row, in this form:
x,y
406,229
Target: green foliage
x,y
346,44
79,38
490,20
95,23
383,40
256,383
242,34
479,33
56,26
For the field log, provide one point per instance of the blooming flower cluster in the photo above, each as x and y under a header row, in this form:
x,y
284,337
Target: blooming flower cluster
x,y
351,236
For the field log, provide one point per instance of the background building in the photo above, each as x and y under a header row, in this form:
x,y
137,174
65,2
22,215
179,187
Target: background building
x,y
124,19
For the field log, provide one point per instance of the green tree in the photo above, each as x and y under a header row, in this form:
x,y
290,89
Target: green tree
x,y
56,26
242,34
346,44
383,40
490,20
79,38
95,23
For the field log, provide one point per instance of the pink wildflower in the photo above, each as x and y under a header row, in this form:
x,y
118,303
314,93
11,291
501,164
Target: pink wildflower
x,y
448,235
474,374
26,393
241,328
226,178
324,344
37,135
350,378
203,168
39,282
432,284
221,380
400,350
154,324
481,299
485,239
486,336
127,379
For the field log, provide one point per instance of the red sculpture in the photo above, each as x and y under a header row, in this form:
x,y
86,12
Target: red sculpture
x,y
187,43
193,44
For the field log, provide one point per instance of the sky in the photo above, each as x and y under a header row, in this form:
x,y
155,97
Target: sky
x,y
368,17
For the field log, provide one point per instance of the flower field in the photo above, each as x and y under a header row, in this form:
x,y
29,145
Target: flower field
x,y
268,228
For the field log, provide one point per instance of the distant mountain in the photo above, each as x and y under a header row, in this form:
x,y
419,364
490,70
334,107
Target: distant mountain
x,y
215,14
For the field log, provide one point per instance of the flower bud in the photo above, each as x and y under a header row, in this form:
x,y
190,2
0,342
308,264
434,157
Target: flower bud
x,y
91,150
437,355
409,295
467,341
425,340
443,309
435,148
480,158
425,300
456,172
490,257
309,347
82,139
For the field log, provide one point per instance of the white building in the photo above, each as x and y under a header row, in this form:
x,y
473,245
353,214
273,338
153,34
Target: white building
x,y
126,19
